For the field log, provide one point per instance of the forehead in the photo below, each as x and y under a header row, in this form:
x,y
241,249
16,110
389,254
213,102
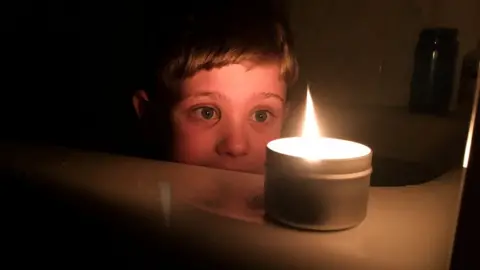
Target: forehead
x,y
236,80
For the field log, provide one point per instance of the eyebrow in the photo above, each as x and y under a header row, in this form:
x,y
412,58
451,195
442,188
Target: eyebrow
x,y
272,95
217,95
210,94
207,94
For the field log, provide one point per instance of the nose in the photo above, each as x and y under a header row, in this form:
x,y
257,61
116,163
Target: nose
x,y
233,143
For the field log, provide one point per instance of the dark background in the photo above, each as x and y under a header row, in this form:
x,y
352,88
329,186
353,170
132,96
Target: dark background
x,y
69,69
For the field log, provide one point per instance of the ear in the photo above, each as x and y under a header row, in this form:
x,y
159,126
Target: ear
x,y
140,99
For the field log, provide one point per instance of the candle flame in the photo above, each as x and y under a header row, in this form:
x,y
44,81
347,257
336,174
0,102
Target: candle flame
x,y
311,146
310,127
310,132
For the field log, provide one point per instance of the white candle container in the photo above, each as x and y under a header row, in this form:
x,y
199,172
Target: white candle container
x,y
327,193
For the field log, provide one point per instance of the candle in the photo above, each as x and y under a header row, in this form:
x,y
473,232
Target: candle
x,y
317,183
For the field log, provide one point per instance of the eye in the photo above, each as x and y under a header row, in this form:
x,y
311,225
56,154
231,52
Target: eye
x,y
206,113
261,116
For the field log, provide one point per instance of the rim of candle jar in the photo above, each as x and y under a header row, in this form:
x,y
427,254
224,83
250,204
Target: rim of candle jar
x,y
326,176
367,150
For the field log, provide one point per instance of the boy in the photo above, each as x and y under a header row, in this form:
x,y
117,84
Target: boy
x,y
221,85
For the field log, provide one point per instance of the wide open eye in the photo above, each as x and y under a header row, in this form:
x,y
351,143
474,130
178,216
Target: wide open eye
x,y
261,116
206,113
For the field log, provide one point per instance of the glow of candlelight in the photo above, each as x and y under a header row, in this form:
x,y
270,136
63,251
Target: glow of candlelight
x,y
311,146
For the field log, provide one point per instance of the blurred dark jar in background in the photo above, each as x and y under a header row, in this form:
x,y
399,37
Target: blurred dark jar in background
x,y
432,82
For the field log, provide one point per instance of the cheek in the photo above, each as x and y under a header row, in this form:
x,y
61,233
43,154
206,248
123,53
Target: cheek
x,y
192,144
266,133
260,138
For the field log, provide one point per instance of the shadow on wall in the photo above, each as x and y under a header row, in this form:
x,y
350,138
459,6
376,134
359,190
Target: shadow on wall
x,y
396,172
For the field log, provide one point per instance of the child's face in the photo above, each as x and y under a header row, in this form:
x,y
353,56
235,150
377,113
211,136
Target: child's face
x,y
227,115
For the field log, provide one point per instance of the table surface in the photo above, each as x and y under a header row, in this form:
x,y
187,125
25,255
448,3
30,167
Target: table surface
x,y
409,227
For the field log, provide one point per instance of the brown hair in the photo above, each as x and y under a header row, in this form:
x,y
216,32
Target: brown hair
x,y
236,32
